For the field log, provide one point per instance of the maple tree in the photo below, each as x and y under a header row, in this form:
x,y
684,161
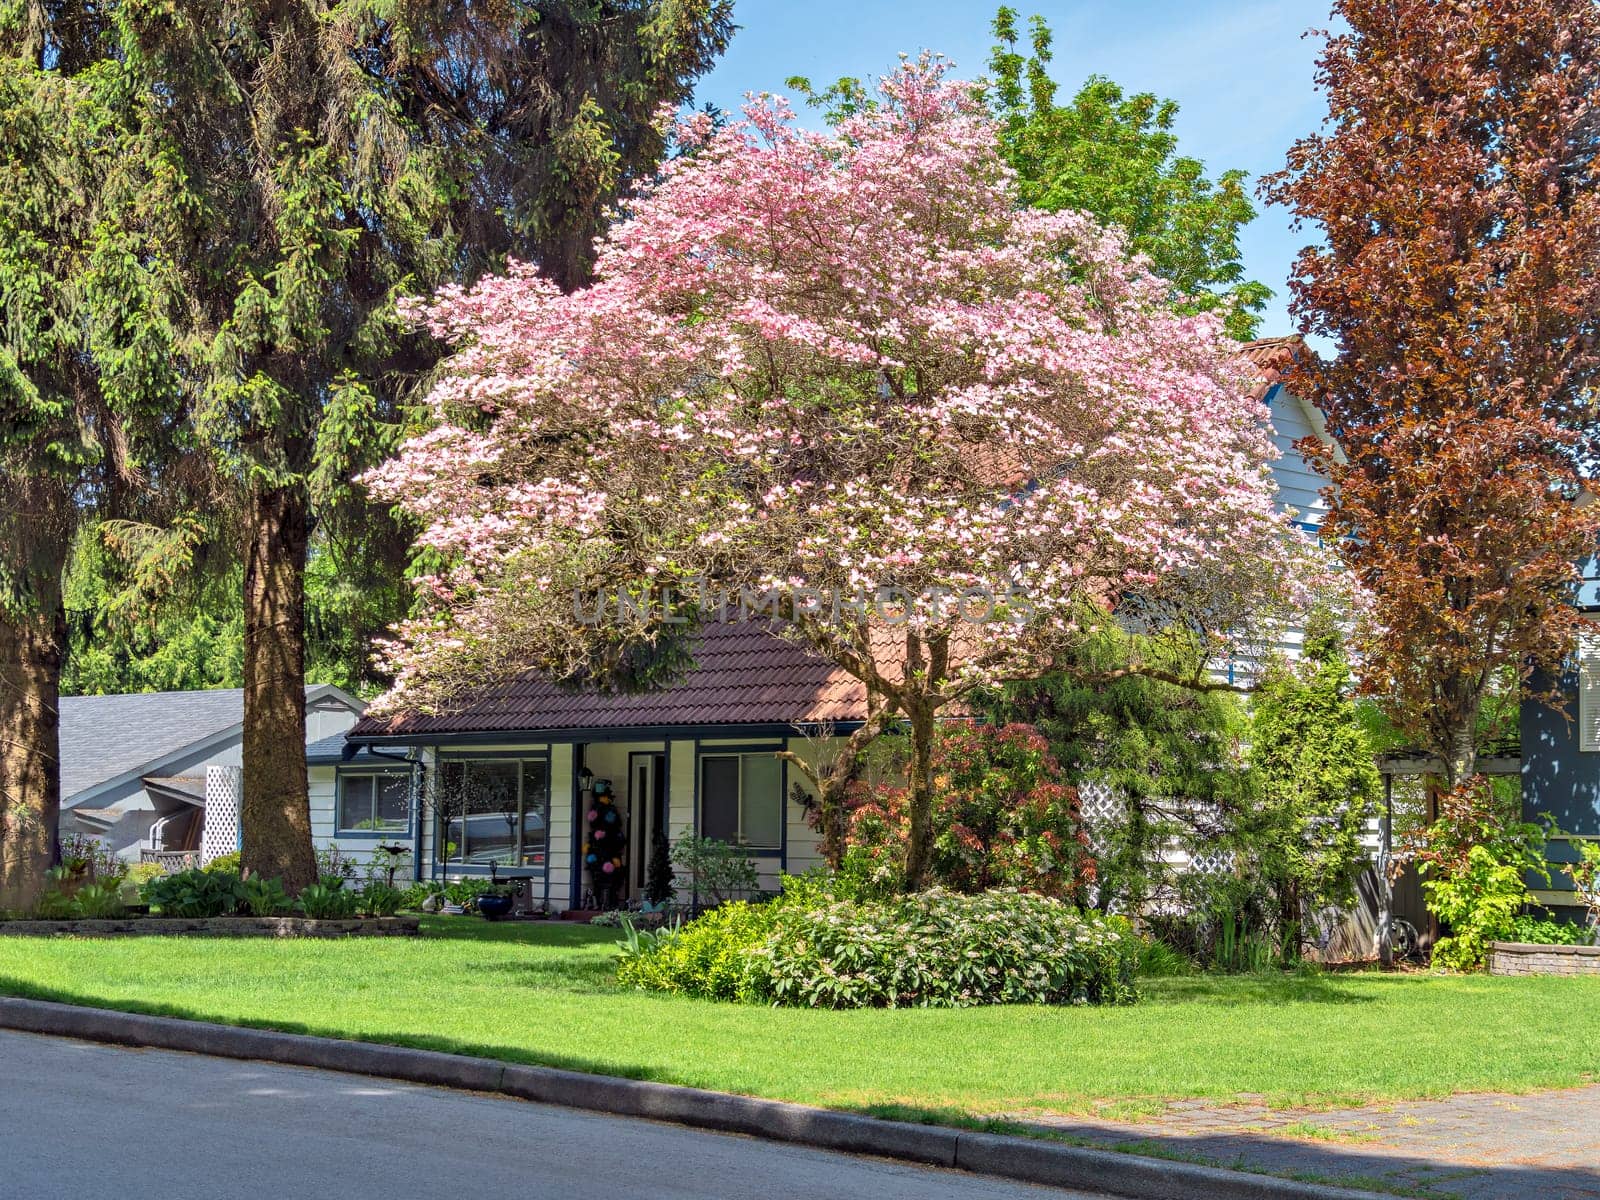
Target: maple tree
x,y
1458,277
846,372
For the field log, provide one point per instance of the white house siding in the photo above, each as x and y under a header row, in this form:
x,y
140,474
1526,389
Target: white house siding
x,y
323,780
1299,485
803,851
558,860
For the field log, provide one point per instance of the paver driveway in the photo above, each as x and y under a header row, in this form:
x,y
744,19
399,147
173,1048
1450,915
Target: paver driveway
x,y
1544,1146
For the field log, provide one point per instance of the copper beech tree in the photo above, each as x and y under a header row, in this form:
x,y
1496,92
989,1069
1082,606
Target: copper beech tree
x,y
1458,277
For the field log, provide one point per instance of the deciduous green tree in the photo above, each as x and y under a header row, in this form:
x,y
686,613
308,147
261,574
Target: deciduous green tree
x,y
1317,785
1116,156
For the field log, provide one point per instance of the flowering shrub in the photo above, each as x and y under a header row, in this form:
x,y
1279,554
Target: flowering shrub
x,y
1002,817
933,949
937,949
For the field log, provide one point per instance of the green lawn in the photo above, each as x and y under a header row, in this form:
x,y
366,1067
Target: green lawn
x,y
542,994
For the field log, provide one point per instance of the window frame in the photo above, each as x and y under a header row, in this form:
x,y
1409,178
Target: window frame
x,y
341,778
521,759
740,753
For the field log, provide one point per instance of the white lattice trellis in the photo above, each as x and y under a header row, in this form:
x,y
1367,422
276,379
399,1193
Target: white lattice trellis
x,y
224,796
1100,807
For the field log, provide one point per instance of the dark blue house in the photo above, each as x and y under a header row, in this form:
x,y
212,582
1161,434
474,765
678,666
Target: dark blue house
x,y
1561,750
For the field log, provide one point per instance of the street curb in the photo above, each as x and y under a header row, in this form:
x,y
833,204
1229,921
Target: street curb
x,y
1028,1160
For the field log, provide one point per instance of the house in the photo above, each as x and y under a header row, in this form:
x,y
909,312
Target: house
x,y
506,780
1561,750
134,767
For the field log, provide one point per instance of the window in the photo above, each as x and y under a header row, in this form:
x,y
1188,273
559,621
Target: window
x,y
741,799
374,802
493,810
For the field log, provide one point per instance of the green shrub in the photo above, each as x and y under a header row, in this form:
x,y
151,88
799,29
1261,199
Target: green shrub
x,y
939,949
229,863
137,876
1158,960
266,897
195,894
936,949
1481,903
380,900
464,891
413,895
710,957
321,902
1542,931
55,903
98,901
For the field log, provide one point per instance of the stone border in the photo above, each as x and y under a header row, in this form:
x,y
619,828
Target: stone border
x,y
1030,1160
1527,958
277,927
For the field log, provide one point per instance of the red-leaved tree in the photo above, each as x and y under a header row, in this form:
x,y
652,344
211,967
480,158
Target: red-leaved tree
x,y
1459,279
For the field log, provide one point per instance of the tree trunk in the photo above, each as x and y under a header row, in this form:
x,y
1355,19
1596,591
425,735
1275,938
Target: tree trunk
x,y
31,653
276,821
919,843
1461,756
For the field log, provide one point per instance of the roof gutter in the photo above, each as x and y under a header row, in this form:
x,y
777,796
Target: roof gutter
x,y
610,733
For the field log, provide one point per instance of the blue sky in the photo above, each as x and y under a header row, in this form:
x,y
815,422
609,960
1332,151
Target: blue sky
x,y
1241,73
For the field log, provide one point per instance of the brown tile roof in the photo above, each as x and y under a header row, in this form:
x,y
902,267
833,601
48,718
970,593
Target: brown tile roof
x,y
744,675
1272,357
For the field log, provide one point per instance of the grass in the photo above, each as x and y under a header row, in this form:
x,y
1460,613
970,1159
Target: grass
x,y
543,994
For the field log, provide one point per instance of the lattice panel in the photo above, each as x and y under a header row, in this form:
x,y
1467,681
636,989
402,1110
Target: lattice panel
x,y
1210,862
1101,808
224,798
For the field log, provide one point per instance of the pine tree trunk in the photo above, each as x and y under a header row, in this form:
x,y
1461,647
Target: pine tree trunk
x,y
276,821
31,653
919,843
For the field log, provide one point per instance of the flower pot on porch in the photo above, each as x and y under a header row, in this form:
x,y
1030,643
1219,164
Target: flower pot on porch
x,y
494,906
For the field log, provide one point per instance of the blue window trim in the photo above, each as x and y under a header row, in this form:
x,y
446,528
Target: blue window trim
x,y
443,868
702,752
340,774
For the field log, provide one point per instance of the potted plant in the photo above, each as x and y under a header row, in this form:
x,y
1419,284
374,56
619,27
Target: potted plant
x,y
496,902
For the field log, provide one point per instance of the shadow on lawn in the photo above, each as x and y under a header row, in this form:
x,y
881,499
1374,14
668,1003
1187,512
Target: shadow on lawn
x,y
11,986
1358,1165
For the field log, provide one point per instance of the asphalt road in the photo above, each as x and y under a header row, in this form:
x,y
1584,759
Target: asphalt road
x,y
82,1120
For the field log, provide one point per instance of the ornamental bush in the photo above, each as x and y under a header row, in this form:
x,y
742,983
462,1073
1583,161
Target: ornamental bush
x,y
941,950
715,956
933,949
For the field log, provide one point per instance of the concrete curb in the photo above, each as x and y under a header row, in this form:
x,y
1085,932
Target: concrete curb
x,y
1029,1160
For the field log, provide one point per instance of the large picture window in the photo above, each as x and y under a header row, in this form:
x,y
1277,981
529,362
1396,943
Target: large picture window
x,y
741,799
493,810
374,802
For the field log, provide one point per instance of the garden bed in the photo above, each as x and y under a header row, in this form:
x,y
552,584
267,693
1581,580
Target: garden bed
x,y
1526,958
278,927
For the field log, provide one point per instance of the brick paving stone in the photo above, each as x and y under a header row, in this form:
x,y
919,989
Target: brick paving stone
x,y
1478,1146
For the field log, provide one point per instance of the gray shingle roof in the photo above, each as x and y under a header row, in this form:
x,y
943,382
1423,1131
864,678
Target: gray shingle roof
x,y
107,737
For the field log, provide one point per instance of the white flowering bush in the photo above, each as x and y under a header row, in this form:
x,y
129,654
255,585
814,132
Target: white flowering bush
x,y
940,949
933,949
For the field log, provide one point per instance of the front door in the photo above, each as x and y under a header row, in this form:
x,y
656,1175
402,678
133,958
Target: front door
x,y
647,812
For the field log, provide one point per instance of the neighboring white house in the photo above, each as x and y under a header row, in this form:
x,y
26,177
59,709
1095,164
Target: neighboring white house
x,y
133,767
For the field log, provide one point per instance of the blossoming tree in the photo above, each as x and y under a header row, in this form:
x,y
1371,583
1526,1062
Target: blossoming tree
x,y
936,434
